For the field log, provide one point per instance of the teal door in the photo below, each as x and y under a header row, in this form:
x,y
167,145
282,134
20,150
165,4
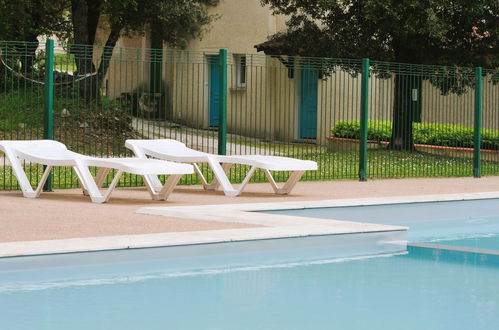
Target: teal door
x,y
214,87
308,103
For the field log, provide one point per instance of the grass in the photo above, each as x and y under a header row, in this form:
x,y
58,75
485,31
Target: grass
x,y
382,164
65,62
20,109
91,127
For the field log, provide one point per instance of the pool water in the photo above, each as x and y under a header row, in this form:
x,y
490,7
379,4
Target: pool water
x,y
487,242
424,288
419,290
427,222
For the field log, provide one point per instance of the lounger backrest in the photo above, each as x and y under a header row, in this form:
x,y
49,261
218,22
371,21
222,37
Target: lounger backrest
x,y
164,149
40,150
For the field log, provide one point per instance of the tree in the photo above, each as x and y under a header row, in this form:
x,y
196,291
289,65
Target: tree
x,y
28,19
174,22
439,32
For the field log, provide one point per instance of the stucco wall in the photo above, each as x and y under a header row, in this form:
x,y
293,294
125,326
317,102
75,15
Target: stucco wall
x,y
490,116
186,74
242,24
459,109
248,106
129,64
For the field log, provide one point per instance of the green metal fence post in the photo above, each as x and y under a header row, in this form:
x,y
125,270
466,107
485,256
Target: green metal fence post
x,y
478,121
364,111
222,124
48,117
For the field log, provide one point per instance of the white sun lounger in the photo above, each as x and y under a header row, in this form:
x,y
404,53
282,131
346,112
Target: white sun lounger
x,y
53,153
176,151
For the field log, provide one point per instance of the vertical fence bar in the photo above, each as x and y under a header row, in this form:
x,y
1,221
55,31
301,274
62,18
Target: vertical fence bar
x,y
48,119
222,125
478,121
364,114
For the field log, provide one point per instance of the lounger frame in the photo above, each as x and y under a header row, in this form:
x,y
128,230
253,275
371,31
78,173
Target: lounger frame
x,y
16,152
221,164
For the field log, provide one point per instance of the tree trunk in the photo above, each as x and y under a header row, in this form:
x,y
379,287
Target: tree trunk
x,y
94,12
82,49
107,53
85,18
155,74
401,138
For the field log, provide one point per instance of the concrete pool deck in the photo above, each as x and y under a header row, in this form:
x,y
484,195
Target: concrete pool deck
x,y
65,221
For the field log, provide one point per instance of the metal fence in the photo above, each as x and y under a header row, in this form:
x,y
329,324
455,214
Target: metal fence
x,y
358,119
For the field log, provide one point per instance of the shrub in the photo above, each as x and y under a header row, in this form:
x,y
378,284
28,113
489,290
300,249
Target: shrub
x,y
448,135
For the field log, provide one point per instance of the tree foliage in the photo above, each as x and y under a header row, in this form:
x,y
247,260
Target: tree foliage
x,y
459,34
27,19
439,32
174,22
77,22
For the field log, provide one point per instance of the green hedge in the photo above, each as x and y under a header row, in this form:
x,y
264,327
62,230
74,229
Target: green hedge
x,y
449,135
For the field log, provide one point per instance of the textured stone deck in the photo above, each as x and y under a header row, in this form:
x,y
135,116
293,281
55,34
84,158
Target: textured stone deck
x,y
66,221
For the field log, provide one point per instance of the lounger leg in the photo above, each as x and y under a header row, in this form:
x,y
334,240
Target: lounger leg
x,y
246,180
88,180
288,186
111,187
101,176
151,188
215,183
82,183
221,177
167,189
197,170
44,178
99,179
18,170
155,182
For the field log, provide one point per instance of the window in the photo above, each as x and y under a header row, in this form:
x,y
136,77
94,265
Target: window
x,y
240,71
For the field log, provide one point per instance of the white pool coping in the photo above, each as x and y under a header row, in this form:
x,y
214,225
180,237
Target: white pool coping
x,y
273,226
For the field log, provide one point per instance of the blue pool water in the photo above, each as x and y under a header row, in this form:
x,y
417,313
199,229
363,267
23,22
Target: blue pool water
x,y
453,220
419,290
488,242
424,288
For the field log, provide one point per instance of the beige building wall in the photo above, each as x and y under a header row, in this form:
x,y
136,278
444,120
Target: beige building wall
x,y
241,25
451,108
185,77
459,109
338,100
490,115
380,98
249,110
129,65
284,102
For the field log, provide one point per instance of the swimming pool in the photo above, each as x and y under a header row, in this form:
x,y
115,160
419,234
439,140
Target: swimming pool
x,y
431,286
486,241
428,221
